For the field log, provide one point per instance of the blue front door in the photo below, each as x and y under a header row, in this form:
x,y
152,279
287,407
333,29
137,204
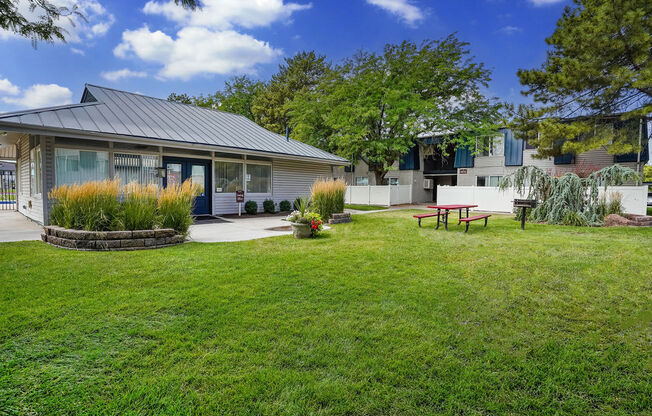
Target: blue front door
x,y
177,170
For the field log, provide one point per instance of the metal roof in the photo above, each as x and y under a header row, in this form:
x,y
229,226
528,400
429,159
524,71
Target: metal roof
x,y
114,112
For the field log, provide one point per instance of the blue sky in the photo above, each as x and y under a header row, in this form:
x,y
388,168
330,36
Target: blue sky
x,y
155,48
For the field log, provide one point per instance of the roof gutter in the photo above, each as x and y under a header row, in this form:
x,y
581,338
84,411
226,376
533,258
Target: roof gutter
x,y
53,131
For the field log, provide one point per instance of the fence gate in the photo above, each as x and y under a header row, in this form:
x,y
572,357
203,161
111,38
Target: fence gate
x,y
7,190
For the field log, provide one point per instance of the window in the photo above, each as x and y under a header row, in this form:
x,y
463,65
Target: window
x,y
35,178
491,146
488,180
259,178
361,181
228,177
135,168
79,166
393,181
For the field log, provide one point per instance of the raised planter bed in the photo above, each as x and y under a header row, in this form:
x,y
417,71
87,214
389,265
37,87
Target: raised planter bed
x,y
340,218
110,240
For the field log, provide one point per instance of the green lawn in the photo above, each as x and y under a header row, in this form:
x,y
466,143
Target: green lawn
x,y
376,317
364,207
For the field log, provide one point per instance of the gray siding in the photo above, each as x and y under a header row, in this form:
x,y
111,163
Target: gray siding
x,y
290,179
30,206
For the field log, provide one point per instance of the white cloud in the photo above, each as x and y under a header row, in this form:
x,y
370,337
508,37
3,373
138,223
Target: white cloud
x,y
196,50
544,2
41,95
77,51
122,73
225,14
6,87
406,11
76,30
509,30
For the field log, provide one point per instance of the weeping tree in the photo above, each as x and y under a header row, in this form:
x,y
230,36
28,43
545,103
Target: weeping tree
x,y
569,199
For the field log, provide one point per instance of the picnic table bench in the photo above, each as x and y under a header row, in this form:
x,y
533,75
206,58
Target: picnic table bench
x,y
468,220
422,216
447,209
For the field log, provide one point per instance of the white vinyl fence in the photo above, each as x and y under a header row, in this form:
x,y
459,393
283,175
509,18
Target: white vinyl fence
x,y
379,195
492,199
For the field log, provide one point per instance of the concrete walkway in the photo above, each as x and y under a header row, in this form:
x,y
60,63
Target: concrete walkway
x,y
238,229
16,227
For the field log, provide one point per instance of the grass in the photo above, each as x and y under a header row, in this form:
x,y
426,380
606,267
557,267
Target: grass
x,y
376,317
649,210
364,207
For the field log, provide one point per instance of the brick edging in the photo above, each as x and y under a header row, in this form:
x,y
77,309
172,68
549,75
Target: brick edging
x,y
110,240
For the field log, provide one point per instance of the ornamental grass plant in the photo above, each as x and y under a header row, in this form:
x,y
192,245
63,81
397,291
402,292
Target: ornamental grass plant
x,y
175,206
327,197
106,206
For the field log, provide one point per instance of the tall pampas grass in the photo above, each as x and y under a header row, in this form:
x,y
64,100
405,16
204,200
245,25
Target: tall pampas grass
x,y
91,206
327,197
106,205
139,207
175,205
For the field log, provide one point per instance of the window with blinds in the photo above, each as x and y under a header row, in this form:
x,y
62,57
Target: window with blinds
x,y
135,168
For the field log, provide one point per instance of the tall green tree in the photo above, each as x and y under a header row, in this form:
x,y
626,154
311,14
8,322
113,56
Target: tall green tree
x,y
300,73
374,107
597,75
237,97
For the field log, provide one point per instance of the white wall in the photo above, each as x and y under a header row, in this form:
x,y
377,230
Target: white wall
x,y
379,195
492,199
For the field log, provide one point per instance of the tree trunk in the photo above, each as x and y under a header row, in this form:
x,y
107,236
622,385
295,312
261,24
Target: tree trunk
x,y
380,177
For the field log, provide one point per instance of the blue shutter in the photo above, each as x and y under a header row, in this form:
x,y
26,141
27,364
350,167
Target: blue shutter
x,y
410,160
463,158
513,149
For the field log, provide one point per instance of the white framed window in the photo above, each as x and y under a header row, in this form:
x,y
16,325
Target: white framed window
x,y
491,146
35,176
136,168
73,166
258,178
488,180
228,176
393,181
361,181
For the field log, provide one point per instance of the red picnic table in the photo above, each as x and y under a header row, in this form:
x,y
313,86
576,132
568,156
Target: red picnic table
x,y
448,208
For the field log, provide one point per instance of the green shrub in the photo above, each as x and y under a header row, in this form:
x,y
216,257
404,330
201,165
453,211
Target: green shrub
x,y
139,207
269,206
251,207
327,197
284,206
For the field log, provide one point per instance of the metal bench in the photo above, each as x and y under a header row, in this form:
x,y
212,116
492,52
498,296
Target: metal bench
x,y
475,218
420,216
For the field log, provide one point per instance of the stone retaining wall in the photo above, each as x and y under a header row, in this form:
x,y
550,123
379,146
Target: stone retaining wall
x,y
110,240
340,218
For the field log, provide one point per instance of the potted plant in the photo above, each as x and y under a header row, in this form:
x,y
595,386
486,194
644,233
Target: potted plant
x,y
305,224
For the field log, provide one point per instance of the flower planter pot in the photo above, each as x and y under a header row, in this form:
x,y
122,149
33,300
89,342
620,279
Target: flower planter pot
x,y
301,230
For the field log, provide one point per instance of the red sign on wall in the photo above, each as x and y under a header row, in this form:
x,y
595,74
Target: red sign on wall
x,y
239,196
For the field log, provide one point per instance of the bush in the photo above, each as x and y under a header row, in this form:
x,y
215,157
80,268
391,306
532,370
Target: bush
x,y
91,206
269,206
139,208
175,206
97,206
327,197
251,207
284,206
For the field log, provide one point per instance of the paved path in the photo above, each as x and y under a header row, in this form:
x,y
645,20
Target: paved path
x,y
17,227
237,229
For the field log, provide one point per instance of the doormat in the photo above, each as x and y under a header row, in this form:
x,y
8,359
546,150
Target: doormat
x,y
208,219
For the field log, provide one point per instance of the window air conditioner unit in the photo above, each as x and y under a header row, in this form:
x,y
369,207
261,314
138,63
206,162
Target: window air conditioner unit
x,y
427,184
